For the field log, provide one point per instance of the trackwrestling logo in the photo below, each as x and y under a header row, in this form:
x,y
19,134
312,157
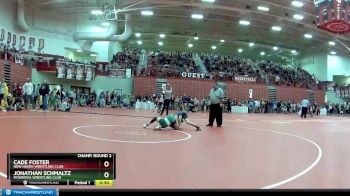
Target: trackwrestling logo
x,y
22,192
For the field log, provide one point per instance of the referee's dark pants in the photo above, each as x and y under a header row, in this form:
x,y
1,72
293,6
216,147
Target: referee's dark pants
x,y
303,112
215,113
166,105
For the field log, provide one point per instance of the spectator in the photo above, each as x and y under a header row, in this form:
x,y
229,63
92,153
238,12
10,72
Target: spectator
x,y
2,90
64,106
44,92
28,89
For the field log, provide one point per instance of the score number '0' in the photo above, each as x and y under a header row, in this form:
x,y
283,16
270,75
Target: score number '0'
x,y
106,164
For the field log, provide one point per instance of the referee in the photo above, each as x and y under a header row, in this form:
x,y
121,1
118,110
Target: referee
x,y
216,96
304,106
168,92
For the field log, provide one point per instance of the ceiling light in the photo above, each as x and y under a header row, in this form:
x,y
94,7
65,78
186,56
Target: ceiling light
x,y
276,28
96,12
298,17
308,36
106,24
190,45
331,43
222,41
79,51
93,55
160,43
244,22
196,38
213,47
293,51
208,1
297,3
138,34
147,13
275,48
263,8
251,44
240,50
333,53
139,42
197,16
262,53
162,35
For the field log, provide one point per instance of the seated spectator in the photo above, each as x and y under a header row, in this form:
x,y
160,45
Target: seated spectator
x,y
82,101
64,106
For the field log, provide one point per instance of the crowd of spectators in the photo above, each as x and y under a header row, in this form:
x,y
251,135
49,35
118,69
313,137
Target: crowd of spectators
x,y
25,95
220,67
172,64
195,104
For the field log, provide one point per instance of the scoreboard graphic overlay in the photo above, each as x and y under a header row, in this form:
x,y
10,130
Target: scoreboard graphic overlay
x,y
67,169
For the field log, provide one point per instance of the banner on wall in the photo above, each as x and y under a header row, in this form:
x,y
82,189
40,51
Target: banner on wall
x,y
193,75
2,35
89,72
9,36
31,42
41,44
251,93
80,72
117,73
70,71
14,40
22,41
337,92
346,94
128,73
245,79
61,69
330,87
19,59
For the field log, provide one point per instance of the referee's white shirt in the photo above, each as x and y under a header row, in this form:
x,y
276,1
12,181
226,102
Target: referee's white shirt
x,y
305,103
216,95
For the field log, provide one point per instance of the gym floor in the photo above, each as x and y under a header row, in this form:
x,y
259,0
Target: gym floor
x,y
250,151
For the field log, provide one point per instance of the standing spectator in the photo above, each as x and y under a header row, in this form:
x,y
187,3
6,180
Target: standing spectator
x,y
229,105
19,90
102,99
304,106
108,103
36,95
44,92
14,92
216,96
132,100
28,89
2,90
6,93
168,91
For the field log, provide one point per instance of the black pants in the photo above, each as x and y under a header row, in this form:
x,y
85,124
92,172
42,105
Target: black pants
x,y
166,105
303,112
215,113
